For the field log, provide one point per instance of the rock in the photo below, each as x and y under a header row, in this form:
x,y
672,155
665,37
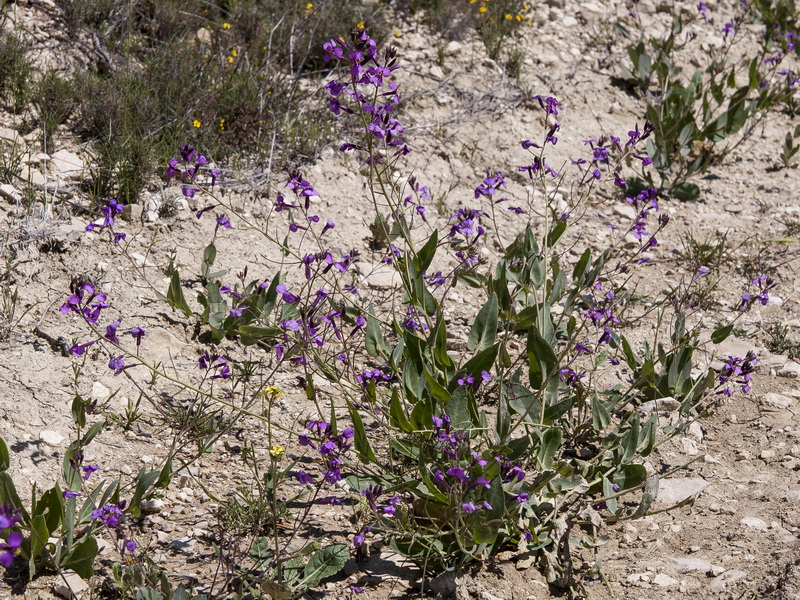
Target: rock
x,y
70,585
569,21
755,523
734,346
152,506
379,276
792,496
716,570
626,211
51,438
719,583
684,564
664,405
203,35
100,392
672,491
141,260
664,580
10,135
133,213
159,345
777,400
10,193
185,544
453,48
67,164
772,361
767,454
436,71
774,301
791,370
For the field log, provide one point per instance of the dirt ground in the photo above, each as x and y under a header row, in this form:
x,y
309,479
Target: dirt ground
x,y
737,538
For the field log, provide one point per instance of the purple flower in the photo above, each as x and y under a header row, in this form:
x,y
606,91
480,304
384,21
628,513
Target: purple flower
x,y
187,191
361,537
468,380
468,507
111,331
88,470
129,545
138,333
109,515
13,541
67,494
523,497
117,364
304,477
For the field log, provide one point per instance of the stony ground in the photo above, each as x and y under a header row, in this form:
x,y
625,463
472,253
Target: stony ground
x,y
738,534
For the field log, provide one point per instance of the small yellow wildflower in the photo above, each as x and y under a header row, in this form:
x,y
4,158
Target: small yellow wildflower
x,y
196,123
525,7
508,17
398,34
482,9
472,1
309,6
226,25
230,59
519,17
360,24
272,391
222,124
234,53
277,451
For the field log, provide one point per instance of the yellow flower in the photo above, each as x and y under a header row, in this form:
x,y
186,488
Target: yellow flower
x,y
518,17
398,34
277,451
222,124
226,25
230,59
508,17
525,7
482,9
360,24
196,123
234,53
272,391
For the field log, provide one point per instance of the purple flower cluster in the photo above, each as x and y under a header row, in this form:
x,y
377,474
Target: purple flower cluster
x,y
367,69
216,364
109,515
88,303
110,209
11,539
332,447
466,222
736,370
186,169
416,198
764,284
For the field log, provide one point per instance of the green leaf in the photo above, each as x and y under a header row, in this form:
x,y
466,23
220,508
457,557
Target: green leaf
x,y
165,476
360,440
551,440
580,267
397,414
425,256
175,296
375,344
484,329
600,416
4,458
631,440
38,539
630,476
81,557
721,333
144,481
209,256
324,563
556,232
541,358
